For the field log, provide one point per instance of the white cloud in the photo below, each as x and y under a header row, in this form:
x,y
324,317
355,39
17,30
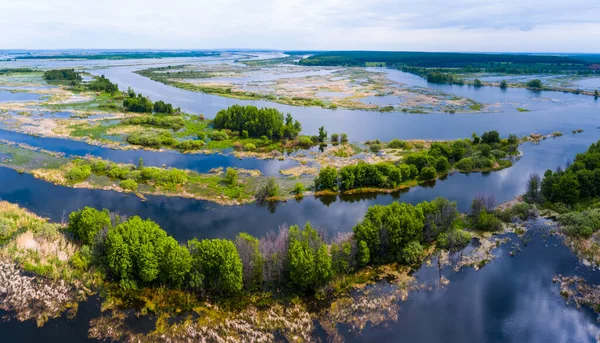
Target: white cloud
x,y
461,25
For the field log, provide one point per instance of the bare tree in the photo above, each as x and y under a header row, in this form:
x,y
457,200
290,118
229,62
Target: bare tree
x,y
274,247
533,194
482,202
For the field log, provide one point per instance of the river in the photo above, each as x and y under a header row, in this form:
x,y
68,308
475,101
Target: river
x,y
512,299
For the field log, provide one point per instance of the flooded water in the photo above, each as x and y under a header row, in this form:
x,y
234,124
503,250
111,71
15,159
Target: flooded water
x,y
512,299
8,96
202,163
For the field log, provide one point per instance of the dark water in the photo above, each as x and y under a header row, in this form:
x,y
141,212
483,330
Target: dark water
x,y
551,111
188,218
511,299
199,162
8,96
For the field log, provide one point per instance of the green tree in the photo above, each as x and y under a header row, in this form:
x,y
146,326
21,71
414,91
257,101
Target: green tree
x,y
322,134
503,84
231,176
219,262
309,260
477,83
428,173
535,84
87,223
327,179
412,252
252,260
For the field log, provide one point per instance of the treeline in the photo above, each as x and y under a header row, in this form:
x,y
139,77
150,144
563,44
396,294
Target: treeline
x,y
16,70
102,84
141,104
121,55
62,75
476,154
437,77
250,121
138,253
573,192
433,59
130,175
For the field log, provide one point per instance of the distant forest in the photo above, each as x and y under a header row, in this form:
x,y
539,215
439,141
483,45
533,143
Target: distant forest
x,y
111,55
435,59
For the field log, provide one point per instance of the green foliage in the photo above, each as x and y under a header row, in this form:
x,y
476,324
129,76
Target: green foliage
x,y
270,189
231,176
442,165
535,84
335,138
387,230
397,144
322,135
344,138
249,147
152,138
455,239
327,179
170,122
62,75
128,184
219,263
219,136
138,104
428,173
299,188
87,223
162,107
503,84
305,141
79,173
252,260
412,253
309,260
257,122
477,83
375,148
190,145
139,252
580,224
102,84
490,137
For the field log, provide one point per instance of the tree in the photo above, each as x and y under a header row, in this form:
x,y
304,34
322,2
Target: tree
x,y
257,122
441,164
535,84
344,138
477,83
252,260
503,84
231,176
162,107
269,190
219,262
513,139
335,138
140,164
310,262
327,179
322,134
596,94
428,173
532,194
566,190
490,137
87,223
412,252
475,138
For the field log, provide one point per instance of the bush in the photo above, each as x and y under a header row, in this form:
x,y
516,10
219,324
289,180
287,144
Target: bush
x,y
485,221
375,148
87,223
299,189
412,252
249,147
79,173
397,144
190,145
535,83
455,239
129,184
344,138
219,136
305,141
335,138
231,176
151,138
580,224
442,164
428,173
270,189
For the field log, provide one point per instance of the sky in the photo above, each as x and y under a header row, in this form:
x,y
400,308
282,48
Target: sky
x,y
406,25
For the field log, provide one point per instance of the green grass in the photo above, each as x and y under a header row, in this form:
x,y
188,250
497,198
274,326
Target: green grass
x,y
476,106
101,102
520,109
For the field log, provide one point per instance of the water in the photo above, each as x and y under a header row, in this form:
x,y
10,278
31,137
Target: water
x,y
512,299
199,162
8,96
551,111
589,84
189,218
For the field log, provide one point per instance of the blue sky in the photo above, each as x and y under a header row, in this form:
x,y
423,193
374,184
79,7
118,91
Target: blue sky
x,y
458,25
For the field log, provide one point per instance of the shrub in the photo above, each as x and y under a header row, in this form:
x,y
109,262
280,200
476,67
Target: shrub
x,y
231,176
397,144
442,164
79,173
535,83
219,136
412,252
299,189
580,224
428,173
190,145
335,138
128,184
375,148
485,221
249,147
87,223
455,239
270,189
305,141
344,138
